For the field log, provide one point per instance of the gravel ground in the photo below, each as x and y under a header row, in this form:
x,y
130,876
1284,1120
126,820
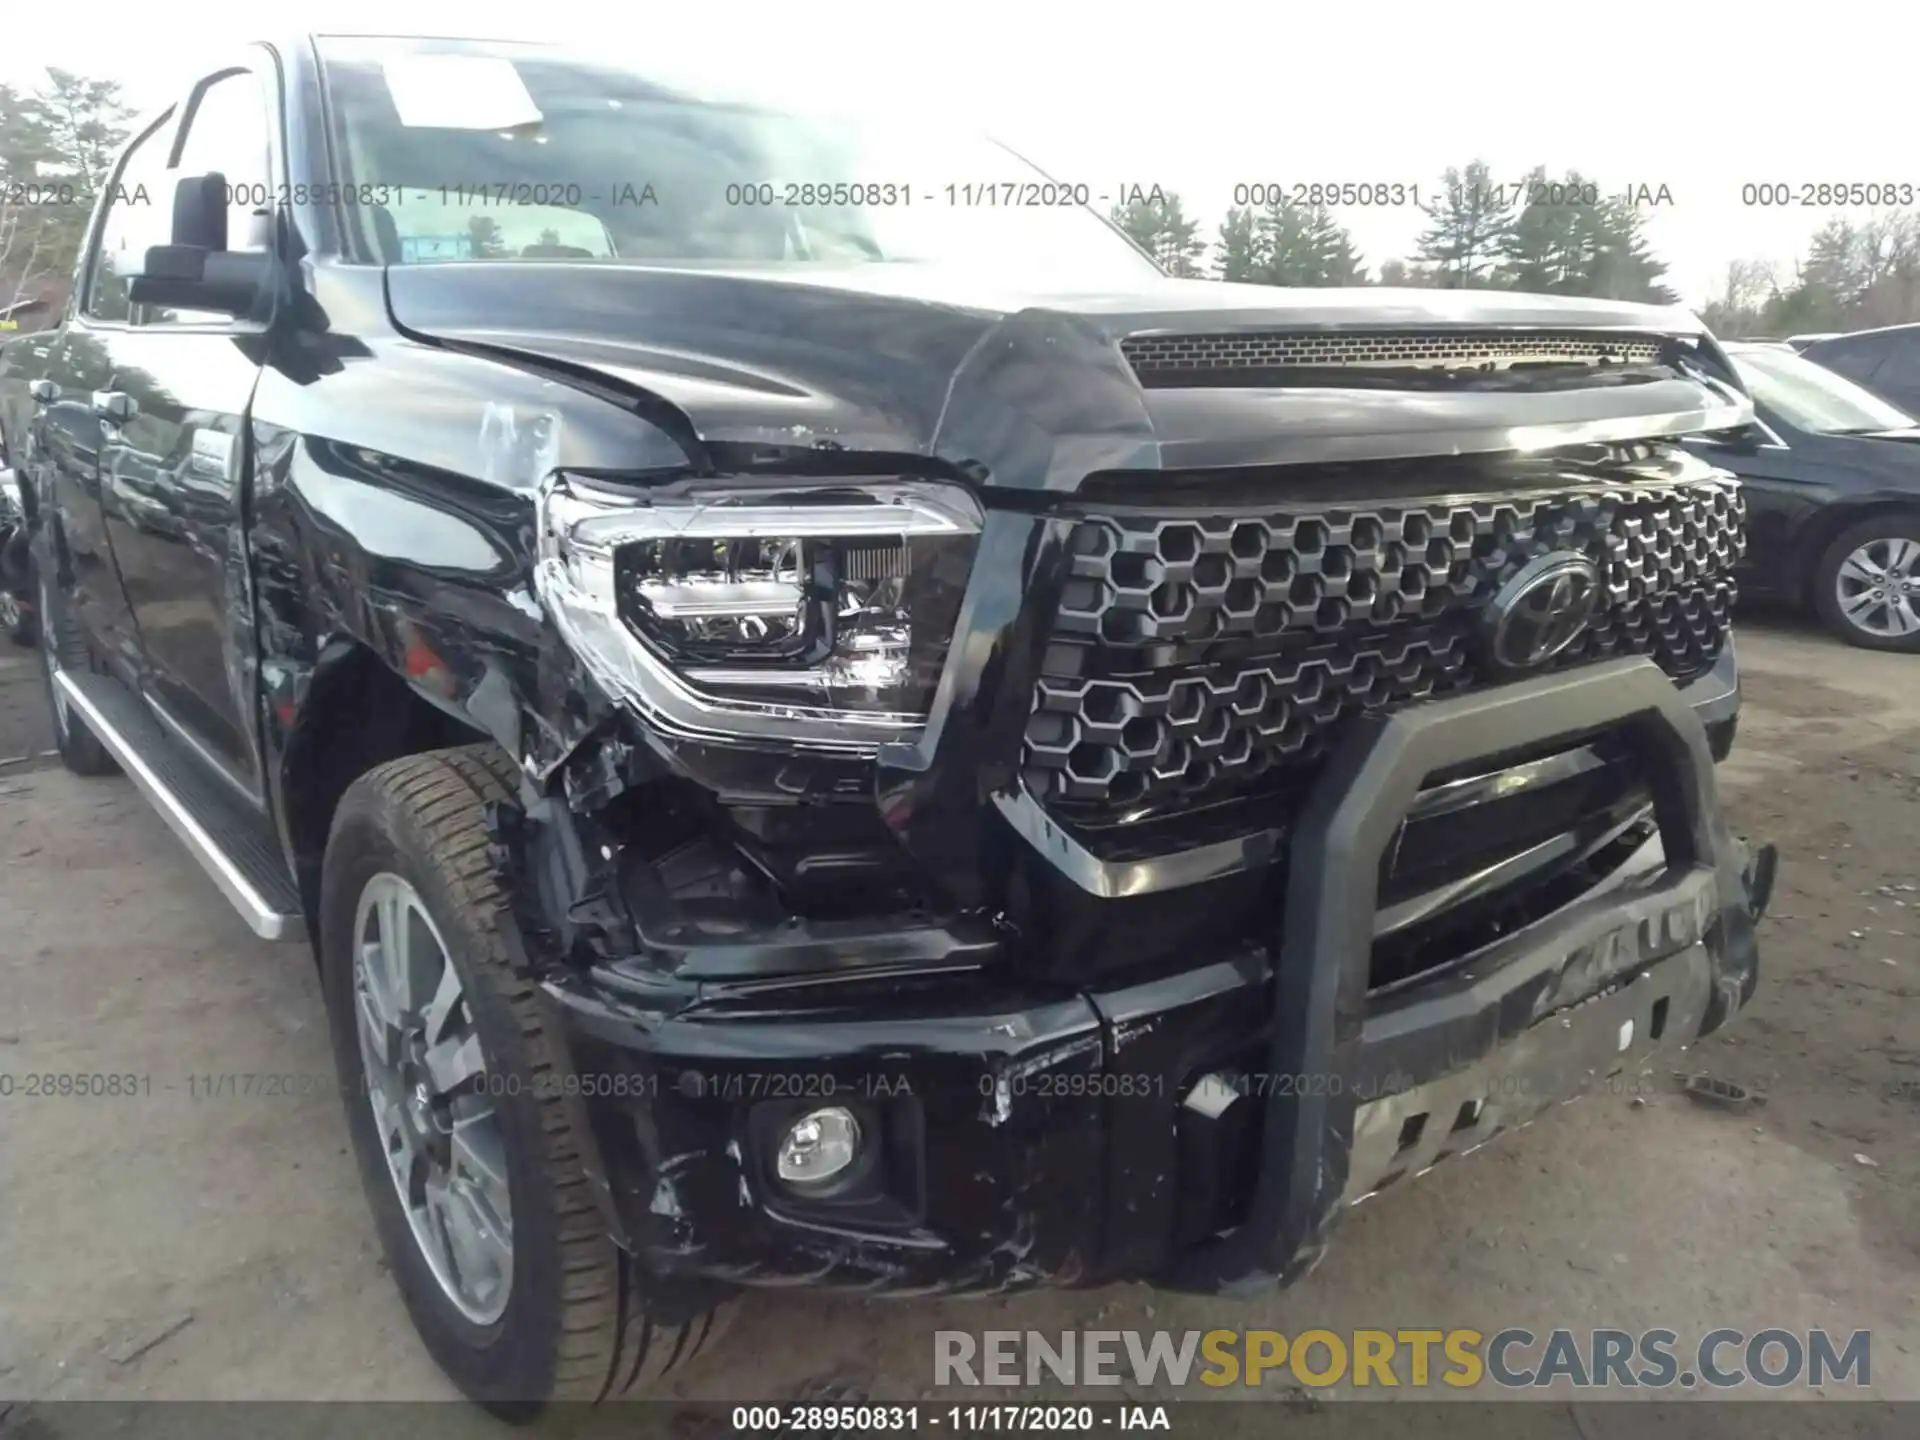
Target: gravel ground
x,y
185,1246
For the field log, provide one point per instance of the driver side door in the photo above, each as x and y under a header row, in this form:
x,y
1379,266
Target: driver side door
x,y
175,469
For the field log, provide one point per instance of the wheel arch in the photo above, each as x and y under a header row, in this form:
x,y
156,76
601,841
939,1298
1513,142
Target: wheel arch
x,y
356,713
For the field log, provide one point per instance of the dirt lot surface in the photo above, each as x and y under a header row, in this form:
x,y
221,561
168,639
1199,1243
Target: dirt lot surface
x,y
176,1244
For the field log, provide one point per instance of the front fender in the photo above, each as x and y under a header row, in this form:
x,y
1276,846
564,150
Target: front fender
x,y
392,513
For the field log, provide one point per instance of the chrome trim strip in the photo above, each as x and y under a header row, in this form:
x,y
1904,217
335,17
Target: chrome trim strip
x,y
1500,784
1111,879
261,917
1568,846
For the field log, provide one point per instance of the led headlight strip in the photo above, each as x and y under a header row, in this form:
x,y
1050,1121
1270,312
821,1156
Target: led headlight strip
x,y
812,613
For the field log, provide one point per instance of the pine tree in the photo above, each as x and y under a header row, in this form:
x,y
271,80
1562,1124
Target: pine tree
x,y
1466,227
1622,265
1339,261
1236,254
1159,226
1302,245
1544,250
1286,251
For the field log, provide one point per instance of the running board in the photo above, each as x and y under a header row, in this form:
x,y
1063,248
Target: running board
x,y
228,843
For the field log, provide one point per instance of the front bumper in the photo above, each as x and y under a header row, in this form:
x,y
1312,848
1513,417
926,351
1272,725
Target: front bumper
x,y
1205,1129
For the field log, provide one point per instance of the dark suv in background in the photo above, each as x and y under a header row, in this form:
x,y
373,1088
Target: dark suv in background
x,y
1886,361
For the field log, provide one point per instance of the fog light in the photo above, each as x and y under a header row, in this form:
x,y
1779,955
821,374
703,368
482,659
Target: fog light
x,y
818,1148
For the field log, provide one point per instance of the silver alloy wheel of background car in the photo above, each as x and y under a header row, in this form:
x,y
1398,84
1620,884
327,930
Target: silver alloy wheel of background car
x,y
1878,587
9,611
433,1106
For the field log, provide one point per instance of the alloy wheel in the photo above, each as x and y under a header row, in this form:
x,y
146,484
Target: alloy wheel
x,y
433,1096
1878,587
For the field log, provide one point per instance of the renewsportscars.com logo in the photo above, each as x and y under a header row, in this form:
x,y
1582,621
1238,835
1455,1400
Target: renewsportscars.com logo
x,y
1510,1359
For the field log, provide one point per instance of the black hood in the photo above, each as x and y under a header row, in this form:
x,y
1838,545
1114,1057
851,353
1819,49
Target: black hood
x,y
1031,387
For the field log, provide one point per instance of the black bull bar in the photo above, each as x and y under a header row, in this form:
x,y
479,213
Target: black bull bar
x,y
1550,1003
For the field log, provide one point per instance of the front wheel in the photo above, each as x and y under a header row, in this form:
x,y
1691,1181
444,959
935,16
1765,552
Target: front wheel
x,y
1867,583
470,1155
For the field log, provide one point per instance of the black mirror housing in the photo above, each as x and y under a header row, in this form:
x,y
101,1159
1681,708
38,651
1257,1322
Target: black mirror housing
x,y
1743,441
200,212
195,270
186,277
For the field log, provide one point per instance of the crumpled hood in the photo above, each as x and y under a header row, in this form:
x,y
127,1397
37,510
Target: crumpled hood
x,y
1028,387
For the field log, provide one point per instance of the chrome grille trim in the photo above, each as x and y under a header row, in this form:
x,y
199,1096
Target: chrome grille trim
x,y
1383,349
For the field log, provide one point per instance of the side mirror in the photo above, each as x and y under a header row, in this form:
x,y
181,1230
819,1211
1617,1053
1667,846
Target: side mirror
x,y
200,212
195,270
1743,441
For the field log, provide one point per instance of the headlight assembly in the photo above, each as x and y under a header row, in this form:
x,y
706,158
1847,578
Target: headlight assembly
x,y
811,612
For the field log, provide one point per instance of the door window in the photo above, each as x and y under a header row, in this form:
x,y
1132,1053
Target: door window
x,y
139,215
1855,359
227,132
1902,368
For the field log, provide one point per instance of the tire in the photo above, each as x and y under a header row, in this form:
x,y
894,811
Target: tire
x,y
63,647
578,1319
1877,540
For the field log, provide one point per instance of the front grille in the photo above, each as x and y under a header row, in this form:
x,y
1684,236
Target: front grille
x,y
1198,657
1158,355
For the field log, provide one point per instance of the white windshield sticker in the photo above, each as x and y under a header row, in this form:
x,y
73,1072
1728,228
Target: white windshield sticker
x,y
459,92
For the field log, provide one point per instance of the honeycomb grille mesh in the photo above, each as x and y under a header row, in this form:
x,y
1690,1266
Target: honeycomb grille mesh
x,y
1284,349
1198,657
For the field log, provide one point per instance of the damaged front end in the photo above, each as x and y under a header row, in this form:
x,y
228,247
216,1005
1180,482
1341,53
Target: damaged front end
x,y
1202,1126
979,885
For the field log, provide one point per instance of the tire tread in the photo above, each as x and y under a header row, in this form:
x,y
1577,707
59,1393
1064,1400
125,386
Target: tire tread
x,y
607,1344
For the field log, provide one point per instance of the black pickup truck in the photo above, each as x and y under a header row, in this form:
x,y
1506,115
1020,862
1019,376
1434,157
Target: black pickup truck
x,y
824,733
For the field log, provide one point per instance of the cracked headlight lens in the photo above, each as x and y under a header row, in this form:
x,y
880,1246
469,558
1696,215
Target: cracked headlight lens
x,y
816,612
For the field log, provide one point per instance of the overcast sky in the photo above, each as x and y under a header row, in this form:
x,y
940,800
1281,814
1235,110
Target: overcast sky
x,y
1699,97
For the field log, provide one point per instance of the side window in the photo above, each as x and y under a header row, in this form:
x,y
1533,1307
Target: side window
x,y
139,215
1857,359
1902,367
227,132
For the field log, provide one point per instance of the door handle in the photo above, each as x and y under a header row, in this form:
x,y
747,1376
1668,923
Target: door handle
x,y
114,405
44,392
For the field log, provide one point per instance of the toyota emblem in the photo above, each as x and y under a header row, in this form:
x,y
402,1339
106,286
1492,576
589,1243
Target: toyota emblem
x,y
1542,610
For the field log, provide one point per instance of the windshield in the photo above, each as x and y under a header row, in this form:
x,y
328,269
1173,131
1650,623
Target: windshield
x,y
453,150
1812,397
